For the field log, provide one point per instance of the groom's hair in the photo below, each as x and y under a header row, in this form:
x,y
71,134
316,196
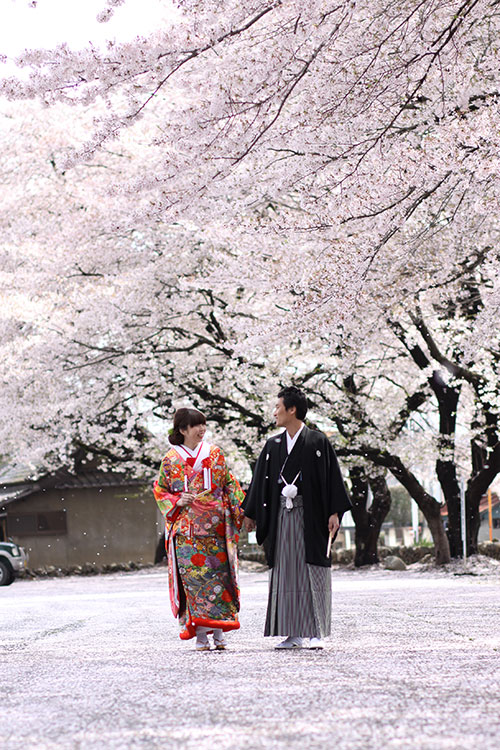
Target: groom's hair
x,y
293,396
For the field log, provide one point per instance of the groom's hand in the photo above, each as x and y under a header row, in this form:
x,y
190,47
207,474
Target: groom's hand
x,y
333,523
249,524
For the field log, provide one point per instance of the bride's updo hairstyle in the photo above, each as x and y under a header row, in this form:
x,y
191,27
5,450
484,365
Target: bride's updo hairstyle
x,y
184,418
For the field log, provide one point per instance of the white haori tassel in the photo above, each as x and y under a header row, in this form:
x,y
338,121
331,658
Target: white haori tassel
x,y
289,491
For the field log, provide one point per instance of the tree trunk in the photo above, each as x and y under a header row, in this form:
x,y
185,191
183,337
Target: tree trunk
x,y
446,472
439,537
445,466
429,507
477,486
368,522
447,397
472,522
447,475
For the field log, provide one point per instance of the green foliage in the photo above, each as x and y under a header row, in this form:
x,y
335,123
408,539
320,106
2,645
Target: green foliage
x,y
400,512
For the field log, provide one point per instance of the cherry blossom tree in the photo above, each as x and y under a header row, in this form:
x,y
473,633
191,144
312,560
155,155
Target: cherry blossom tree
x,y
276,191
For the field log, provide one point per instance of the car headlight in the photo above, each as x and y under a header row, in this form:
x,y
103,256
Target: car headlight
x,y
15,552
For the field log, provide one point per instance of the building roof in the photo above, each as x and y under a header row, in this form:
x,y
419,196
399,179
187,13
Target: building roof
x,y
483,504
16,473
62,479
15,492
10,491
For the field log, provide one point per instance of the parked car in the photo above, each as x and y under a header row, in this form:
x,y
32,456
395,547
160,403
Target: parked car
x,y
12,560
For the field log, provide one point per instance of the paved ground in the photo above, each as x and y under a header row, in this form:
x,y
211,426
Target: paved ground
x,y
96,663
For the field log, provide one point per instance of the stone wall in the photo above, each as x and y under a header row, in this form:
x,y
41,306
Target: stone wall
x,y
409,555
491,549
87,569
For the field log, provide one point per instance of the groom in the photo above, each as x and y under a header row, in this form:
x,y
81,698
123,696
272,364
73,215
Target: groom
x,y
296,500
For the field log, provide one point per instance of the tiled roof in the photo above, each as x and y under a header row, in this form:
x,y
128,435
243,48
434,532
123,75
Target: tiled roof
x,y
8,494
16,473
63,479
10,491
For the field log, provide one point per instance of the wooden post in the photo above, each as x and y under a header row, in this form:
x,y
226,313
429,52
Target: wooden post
x,y
414,520
463,520
490,515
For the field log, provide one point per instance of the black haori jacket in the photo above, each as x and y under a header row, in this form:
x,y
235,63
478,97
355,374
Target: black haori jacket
x,y
320,484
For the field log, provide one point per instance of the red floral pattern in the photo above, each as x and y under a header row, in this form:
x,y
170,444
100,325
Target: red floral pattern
x,y
198,560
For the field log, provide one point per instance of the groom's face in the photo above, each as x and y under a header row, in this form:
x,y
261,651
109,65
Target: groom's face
x,y
282,415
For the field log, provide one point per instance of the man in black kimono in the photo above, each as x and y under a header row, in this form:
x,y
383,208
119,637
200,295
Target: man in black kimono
x,y
296,500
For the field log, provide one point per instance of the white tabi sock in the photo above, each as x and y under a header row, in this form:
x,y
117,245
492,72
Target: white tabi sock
x,y
201,636
219,636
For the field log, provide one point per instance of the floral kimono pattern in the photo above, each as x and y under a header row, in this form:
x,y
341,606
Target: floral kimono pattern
x,y
201,541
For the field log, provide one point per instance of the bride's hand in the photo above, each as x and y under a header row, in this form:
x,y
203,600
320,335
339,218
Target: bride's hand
x,y
185,499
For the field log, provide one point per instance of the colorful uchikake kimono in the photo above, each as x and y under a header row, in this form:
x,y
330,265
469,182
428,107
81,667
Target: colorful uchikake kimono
x,y
201,539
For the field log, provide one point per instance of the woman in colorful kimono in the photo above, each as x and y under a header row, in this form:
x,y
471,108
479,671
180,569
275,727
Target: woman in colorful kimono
x,y
200,501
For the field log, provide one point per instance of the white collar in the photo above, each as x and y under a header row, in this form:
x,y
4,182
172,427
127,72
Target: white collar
x,y
204,452
290,442
191,451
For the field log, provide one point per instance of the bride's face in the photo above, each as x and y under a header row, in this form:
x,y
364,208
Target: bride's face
x,y
194,434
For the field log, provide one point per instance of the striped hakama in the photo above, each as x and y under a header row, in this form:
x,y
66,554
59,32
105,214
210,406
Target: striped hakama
x,y
300,595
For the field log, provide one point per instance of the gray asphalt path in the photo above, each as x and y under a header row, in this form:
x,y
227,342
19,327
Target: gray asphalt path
x,y
96,664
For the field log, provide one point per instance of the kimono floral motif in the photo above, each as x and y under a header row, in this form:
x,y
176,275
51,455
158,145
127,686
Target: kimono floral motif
x,y
207,582
201,541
